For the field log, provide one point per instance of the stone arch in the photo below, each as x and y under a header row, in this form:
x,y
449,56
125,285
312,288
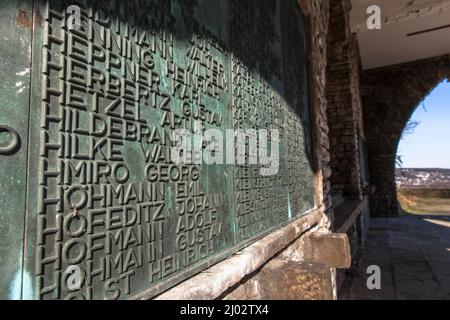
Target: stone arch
x,y
390,96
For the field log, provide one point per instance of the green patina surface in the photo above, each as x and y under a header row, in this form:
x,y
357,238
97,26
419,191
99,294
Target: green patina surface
x,y
100,107
15,59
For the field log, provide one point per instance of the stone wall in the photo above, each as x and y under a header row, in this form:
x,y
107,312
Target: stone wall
x,y
390,96
319,14
344,102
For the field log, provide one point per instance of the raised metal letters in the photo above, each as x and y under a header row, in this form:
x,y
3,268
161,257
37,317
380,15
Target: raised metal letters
x,y
110,215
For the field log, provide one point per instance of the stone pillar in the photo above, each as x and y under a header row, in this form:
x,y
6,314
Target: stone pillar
x,y
344,102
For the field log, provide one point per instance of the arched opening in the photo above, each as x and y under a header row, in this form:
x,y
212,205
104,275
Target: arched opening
x,y
423,157
410,252
390,96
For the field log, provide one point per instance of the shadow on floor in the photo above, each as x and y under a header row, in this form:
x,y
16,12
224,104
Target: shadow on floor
x,y
413,253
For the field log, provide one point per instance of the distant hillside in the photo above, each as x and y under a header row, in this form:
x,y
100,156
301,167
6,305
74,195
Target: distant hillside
x,y
423,178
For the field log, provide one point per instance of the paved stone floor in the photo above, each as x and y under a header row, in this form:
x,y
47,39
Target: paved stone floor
x,y
414,256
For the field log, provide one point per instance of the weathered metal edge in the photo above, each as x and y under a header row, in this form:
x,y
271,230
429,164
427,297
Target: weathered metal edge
x,y
213,282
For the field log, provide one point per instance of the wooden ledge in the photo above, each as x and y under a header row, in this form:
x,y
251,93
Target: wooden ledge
x,y
346,214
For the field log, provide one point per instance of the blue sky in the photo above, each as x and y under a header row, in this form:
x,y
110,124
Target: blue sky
x,y
429,145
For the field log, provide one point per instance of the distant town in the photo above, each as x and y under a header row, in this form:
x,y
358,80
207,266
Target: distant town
x,y
423,178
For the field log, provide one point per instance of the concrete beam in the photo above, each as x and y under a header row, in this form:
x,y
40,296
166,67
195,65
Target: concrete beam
x,y
331,250
287,280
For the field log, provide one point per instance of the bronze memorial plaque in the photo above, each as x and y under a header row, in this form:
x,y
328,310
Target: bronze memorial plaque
x,y
117,207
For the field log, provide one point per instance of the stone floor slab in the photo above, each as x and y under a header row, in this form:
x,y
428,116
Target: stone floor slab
x,y
414,256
